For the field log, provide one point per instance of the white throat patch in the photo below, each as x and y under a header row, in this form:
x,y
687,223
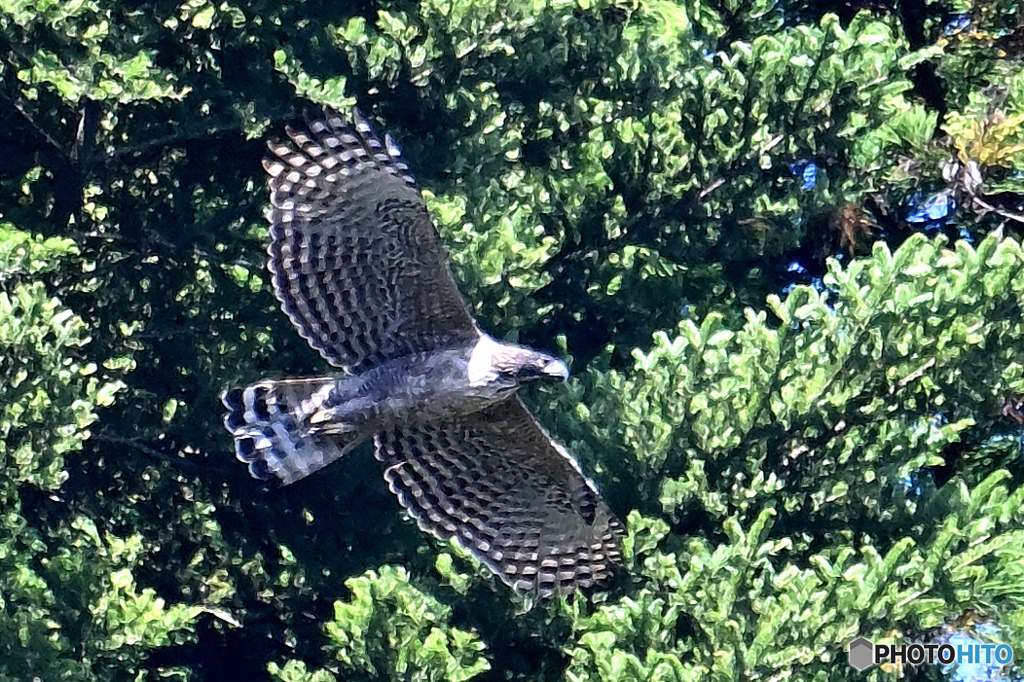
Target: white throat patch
x,y
480,369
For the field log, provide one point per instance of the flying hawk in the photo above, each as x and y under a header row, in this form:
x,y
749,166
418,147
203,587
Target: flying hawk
x,y
362,273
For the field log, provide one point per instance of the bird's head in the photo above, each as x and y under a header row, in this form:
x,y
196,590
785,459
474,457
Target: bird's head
x,y
510,365
534,365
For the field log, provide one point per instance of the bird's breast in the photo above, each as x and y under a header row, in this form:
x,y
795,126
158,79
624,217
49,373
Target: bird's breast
x,y
413,389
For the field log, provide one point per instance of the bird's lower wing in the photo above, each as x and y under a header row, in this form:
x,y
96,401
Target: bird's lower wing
x,y
496,482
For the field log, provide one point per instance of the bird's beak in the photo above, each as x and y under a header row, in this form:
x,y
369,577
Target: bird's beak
x,y
556,369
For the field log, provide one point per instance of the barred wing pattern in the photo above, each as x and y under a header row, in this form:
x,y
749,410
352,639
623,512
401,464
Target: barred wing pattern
x,y
354,258
496,482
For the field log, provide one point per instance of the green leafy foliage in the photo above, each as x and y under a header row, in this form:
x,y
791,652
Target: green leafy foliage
x,y
802,458
71,606
390,628
295,671
876,392
48,397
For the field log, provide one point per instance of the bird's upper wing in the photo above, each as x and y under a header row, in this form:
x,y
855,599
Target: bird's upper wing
x,y
509,494
355,260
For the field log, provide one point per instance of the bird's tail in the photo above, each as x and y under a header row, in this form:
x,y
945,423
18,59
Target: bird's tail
x,y
271,425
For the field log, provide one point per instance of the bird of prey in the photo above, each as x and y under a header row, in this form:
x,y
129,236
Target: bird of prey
x,y
362,273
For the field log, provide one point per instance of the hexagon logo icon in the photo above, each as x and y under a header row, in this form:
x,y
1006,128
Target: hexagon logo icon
x,y
862,653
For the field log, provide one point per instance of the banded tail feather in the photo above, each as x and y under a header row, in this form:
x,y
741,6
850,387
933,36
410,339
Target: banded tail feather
x,y
276,430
